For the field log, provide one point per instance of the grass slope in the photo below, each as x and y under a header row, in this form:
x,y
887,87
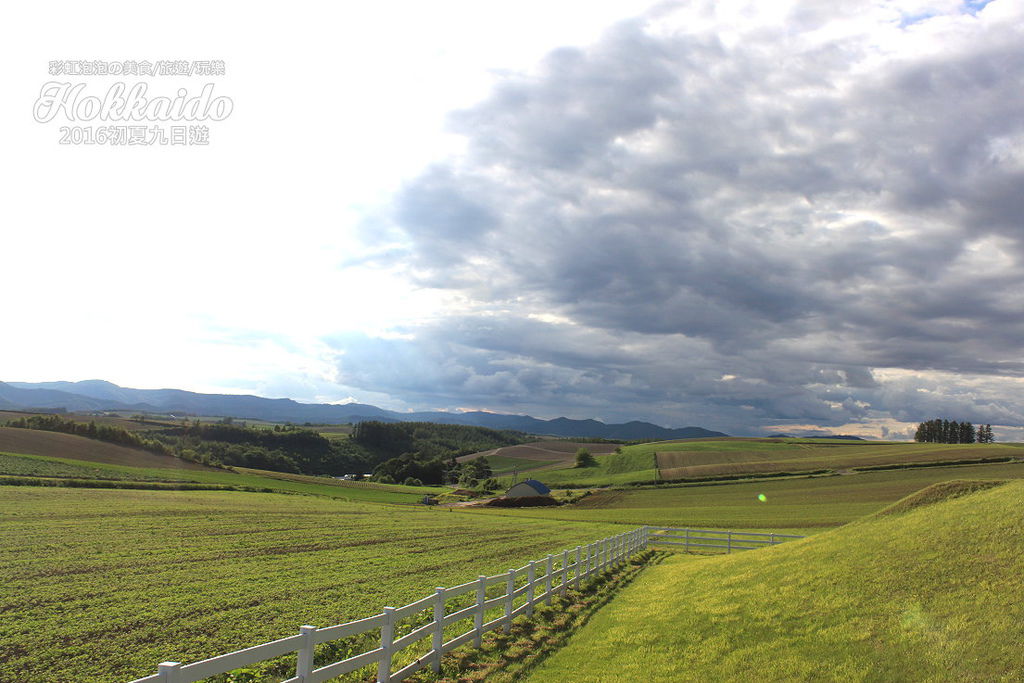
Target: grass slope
x,y
790,503
103,585
932,594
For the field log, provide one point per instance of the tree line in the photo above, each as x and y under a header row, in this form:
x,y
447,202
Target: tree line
x,y
426,452
952,431
420,451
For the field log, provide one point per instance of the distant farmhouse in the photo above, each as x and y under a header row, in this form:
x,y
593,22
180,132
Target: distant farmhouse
x,y
531,488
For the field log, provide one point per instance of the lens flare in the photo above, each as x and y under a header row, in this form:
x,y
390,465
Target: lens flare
x,y
763,498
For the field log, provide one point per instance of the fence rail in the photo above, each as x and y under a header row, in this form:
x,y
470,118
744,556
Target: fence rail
x,y
712,539
533,583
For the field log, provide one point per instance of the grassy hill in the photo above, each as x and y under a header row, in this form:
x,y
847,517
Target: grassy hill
x,y
933,593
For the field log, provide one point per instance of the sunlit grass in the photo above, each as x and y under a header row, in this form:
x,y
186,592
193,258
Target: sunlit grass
x,y
932,594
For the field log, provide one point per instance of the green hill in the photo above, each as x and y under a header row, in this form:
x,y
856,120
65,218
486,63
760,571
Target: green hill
x,y
932,593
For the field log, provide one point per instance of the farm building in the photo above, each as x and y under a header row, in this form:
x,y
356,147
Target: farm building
x,y
531,488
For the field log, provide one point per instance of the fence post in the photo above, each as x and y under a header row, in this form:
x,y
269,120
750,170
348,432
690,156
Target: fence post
x,y
478,618
438,635
547,582
169,671
304,667
772,539
531,576
565,570
728,542
510,587
387,637
576,574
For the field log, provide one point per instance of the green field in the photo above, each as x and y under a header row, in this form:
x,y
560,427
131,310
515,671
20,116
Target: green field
x,y
933,594
502,466
611,469
718,458
107,584
790,503
39,466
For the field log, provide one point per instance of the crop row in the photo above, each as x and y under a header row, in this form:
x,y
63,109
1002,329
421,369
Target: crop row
x,y
107,583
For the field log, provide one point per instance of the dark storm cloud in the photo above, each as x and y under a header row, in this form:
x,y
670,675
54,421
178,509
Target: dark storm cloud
x,y
790,212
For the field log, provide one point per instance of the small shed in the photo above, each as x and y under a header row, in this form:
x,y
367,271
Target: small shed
x,y
531,488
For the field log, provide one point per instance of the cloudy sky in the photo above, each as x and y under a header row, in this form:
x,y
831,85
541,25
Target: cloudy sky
x,y
746,216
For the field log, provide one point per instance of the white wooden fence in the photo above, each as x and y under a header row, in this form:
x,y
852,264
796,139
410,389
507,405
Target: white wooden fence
x,y
707,540
533,583
539,579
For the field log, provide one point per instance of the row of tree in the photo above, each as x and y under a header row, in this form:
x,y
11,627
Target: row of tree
x,y
952,431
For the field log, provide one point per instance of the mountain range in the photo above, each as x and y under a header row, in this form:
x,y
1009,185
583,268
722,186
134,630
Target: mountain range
x,y
99,395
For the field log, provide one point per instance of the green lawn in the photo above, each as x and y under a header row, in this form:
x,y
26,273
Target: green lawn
x,y
930,595
103,585
789,503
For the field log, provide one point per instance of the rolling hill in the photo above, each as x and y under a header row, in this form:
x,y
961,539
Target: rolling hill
x,y
932,593
70,446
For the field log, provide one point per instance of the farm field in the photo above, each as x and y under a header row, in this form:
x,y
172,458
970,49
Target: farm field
x,y
789,503
710,458
611,469
502,466
39,466
732,457
552,451
109,583
73,447
929,594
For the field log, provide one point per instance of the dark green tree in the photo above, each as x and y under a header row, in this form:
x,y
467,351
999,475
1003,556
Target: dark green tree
x,y
585,459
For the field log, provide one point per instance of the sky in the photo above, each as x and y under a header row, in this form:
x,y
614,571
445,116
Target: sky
x,y
800,217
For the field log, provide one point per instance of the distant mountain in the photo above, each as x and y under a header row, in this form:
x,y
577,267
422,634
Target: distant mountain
x,y
96,395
